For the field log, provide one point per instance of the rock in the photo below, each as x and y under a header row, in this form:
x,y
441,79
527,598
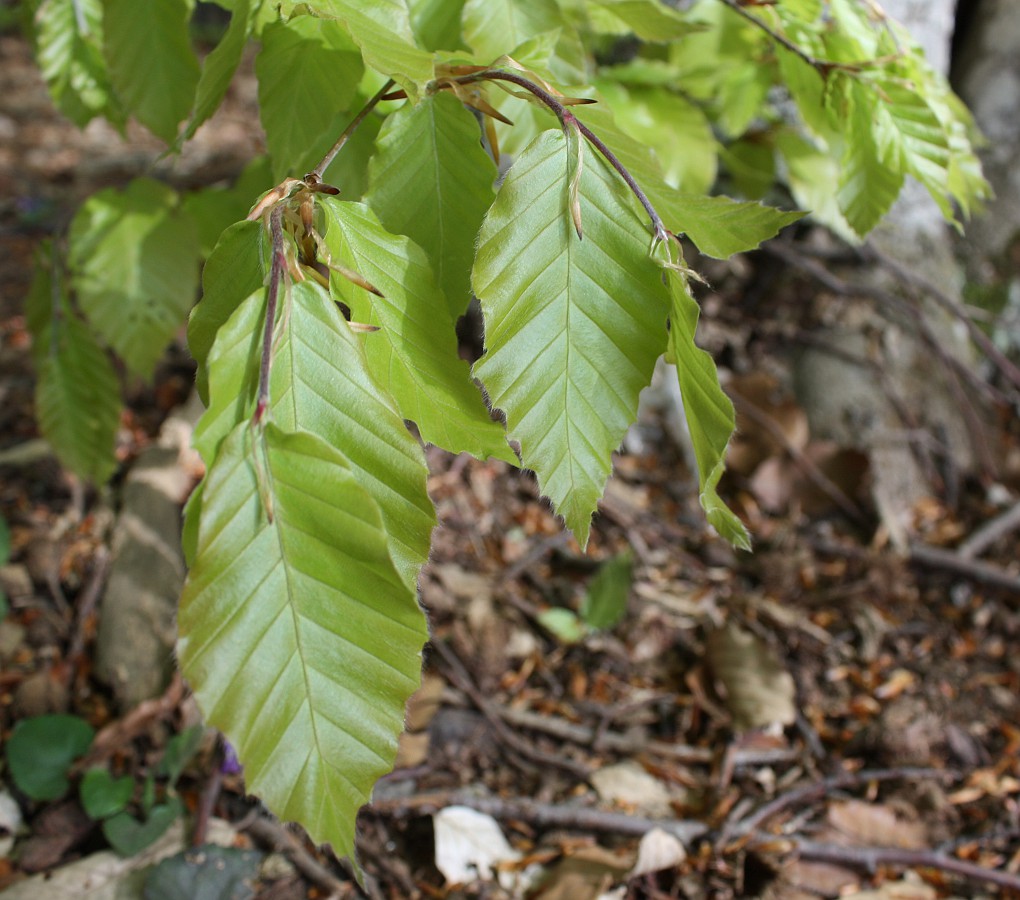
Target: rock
x,y
135,643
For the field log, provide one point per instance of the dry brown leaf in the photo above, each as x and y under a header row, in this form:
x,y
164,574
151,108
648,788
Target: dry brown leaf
x,y
859,823
627,784
755,686
584,875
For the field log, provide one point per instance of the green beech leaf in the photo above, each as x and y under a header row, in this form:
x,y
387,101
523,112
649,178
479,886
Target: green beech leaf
x,y
436,23
493,28
709,412
40,752
382,29
687,150
870,181
432,181
134,264
298,636
77,397
904,120
215,208
321,383
810,175
308,72
606,599
720,226
414,354
563,624
69,42
219,66
152,66
650,20
236,268
573,327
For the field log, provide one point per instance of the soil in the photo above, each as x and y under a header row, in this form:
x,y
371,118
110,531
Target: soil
x,y
821,716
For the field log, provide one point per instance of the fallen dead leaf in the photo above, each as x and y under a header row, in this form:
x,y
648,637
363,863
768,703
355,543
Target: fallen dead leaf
x,y
858,823
756,688
468,844
658,850
627,784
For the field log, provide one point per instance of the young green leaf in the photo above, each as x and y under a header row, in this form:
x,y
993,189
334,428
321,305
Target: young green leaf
x,y
720,226
573,327
709,412
134,265
40,752
69,36
606,600
436,23
650,20
152,66
321,383
432,181
905,123
308,71
219,66
687,150
77,396
493,28
414,354
870,181
382,29
236,268
297,634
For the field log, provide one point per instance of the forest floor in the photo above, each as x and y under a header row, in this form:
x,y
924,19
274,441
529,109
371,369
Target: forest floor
x,y
824,716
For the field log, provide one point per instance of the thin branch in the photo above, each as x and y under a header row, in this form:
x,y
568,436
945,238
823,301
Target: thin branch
x,y
989,533
279,838
817,790
568,119
822,66
541,815
317,173
811,471
907,276
460,677
870,858
972,569
276,270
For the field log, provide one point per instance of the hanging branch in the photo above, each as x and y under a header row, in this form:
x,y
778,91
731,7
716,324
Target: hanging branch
x,y
276,270
569,120
316,174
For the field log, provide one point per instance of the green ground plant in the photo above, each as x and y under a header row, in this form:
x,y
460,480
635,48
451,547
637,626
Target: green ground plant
x,y
334,271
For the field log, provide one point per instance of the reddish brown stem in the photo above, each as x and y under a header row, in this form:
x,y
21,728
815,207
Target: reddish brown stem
x,y
567,118
276,271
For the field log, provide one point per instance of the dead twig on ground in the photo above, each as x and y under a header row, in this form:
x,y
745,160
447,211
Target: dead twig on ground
x,y
541,815
972,569
989,533
119,733
911,278
817,790
585,736
810,470
87,601
870,858
279,838
459,676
